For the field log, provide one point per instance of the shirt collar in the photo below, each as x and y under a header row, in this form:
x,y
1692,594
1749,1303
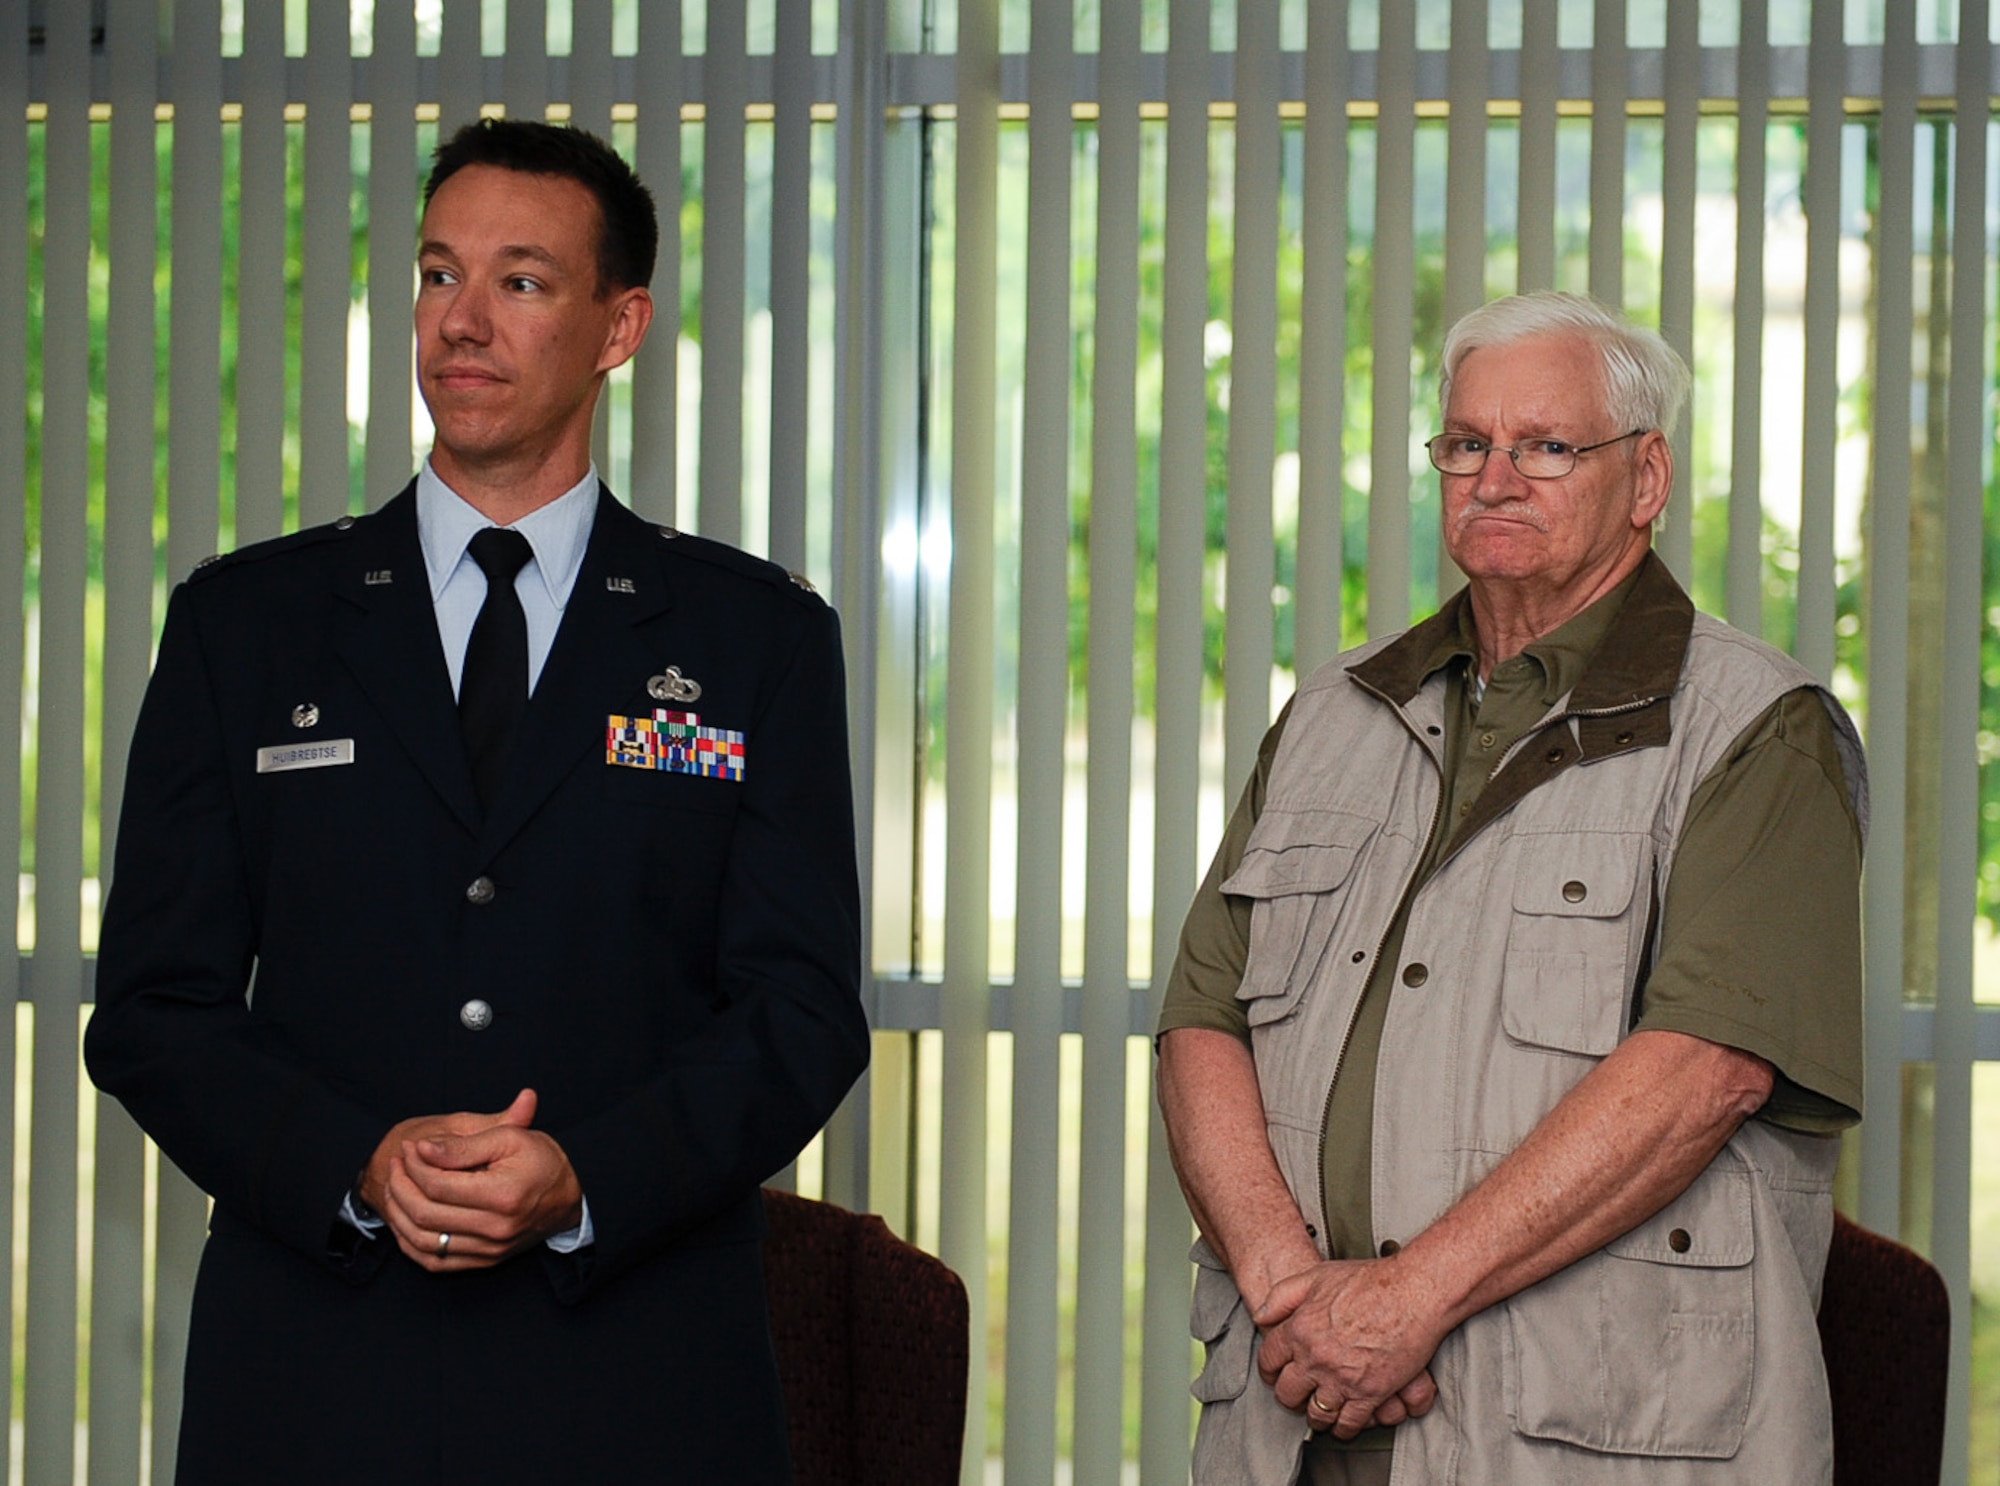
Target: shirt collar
x,y
1564,652
1653,628
557,532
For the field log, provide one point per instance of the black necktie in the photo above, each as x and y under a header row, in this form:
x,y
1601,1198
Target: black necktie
x,y
493,692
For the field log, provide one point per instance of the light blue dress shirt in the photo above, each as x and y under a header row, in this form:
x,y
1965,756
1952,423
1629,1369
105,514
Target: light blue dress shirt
x,y
557,532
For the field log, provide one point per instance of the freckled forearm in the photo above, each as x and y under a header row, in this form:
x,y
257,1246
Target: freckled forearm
x,y
1215,1126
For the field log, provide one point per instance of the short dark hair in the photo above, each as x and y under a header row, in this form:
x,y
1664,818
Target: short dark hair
x,y
629,236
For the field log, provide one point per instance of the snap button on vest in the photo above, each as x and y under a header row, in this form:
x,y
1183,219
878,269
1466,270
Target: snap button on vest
x,y
479,892
1390,1248
1679,1241
1415,974
475,1015
1574,891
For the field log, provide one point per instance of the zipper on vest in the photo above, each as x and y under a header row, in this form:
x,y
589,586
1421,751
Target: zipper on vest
x,y
1560,718
1347,1034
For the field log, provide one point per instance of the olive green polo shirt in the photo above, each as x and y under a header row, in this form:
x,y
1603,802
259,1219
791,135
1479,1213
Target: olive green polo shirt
x,y
1760,925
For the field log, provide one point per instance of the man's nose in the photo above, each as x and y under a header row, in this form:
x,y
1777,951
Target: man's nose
x,y
1499,479
465,319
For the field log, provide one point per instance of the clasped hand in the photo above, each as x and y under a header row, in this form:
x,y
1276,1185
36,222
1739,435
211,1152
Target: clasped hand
x,y
491,1181
1346,1342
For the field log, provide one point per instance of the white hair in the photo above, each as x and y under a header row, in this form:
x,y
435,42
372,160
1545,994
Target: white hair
x,y
1644,380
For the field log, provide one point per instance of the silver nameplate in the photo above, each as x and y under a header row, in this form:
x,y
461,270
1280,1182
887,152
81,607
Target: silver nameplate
x,y
320,755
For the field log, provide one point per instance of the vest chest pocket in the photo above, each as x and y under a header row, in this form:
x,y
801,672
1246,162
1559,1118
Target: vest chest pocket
x,y
1569,945
1293,869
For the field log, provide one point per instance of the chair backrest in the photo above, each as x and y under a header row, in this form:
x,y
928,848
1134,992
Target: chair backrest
x,y
1885,1330
873,1346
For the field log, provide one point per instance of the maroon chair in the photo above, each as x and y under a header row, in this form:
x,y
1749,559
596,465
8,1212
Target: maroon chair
x,y
1885,1331
873,1346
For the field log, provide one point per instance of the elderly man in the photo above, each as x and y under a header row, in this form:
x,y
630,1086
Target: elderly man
x,y
1512,1024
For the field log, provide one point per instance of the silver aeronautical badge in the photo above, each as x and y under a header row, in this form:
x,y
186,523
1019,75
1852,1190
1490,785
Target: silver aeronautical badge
x,y
672,686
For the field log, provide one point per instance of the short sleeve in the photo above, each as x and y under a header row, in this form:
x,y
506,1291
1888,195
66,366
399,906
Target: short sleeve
x,y
1215,936
1760,938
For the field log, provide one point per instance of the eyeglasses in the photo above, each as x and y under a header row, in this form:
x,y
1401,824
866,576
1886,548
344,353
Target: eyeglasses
x,y
1536,459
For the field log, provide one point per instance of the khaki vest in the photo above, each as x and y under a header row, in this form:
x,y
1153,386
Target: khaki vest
x,y
1686,1351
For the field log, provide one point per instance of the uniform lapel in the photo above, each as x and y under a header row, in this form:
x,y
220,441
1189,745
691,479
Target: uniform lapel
x,y
389,642
604,651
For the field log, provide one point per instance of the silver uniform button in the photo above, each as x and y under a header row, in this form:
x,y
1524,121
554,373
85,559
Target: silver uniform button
x,y
479,892
475,1015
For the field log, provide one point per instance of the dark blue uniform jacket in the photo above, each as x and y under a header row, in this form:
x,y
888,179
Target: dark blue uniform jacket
x,y
670,960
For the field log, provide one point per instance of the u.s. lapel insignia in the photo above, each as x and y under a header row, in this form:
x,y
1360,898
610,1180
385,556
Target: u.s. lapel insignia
x,y
674,743
377,577
672,686
619,585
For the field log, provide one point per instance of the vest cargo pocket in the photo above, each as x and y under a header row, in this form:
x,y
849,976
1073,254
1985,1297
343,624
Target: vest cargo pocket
x,y
1569,945
1645,1347
1293,868
1221,1322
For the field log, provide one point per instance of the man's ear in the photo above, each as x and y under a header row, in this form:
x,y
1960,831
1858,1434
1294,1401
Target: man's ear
x,y
631,316
1653,478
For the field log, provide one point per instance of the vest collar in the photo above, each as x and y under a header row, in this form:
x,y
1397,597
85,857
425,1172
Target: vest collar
x,y
1638,661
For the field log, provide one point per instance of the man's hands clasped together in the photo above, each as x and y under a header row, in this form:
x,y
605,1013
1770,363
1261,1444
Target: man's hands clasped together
x,y
1345,1342
466,1191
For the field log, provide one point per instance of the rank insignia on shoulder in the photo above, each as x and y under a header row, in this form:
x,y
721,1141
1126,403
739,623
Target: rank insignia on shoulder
x,y
674,743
